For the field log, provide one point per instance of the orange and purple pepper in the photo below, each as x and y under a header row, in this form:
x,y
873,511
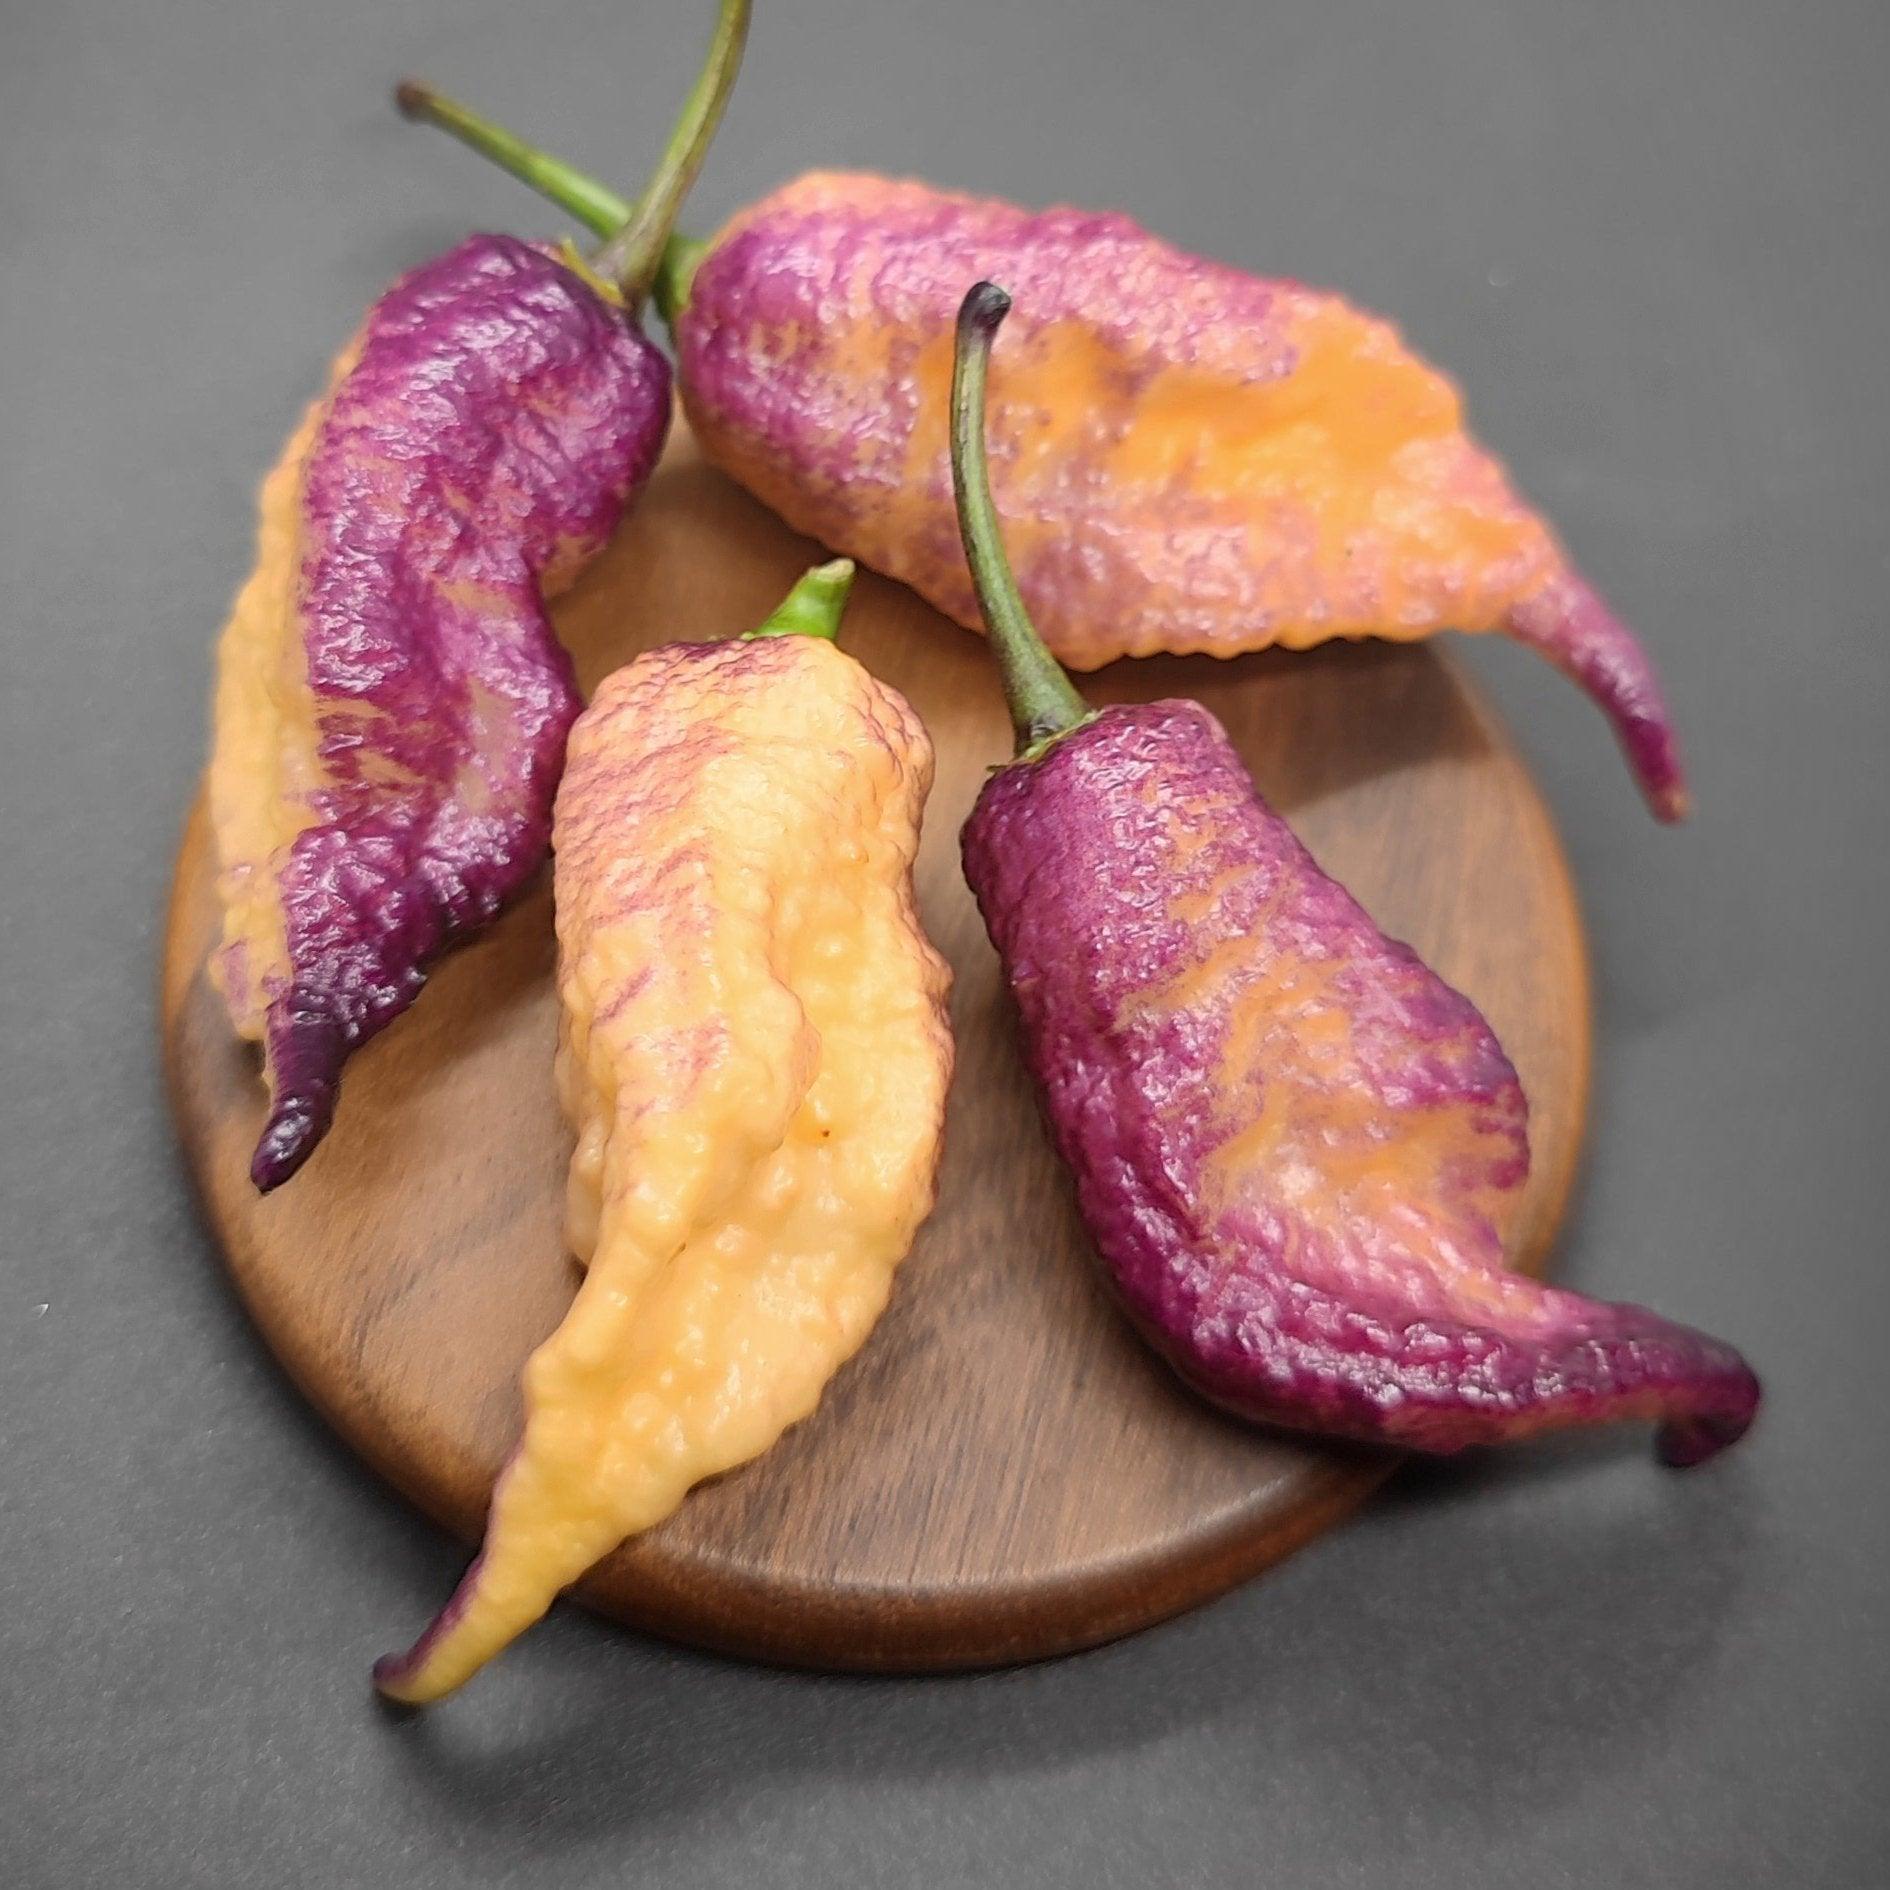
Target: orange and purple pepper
x,y
1294,1145
1188,458
392,704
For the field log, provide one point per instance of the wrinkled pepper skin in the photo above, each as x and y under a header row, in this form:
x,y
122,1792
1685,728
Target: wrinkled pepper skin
x,y
391,704
1187,458
754,1060
1295,1146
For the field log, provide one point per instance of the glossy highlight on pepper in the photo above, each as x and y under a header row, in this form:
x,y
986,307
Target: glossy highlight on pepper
x,y
1296,1148
391,702
753,1060
1189,458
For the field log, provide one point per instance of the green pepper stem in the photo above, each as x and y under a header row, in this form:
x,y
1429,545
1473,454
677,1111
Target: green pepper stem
x,y
633,256
1043,702
575,192
637,253
812,608
676,277
595,205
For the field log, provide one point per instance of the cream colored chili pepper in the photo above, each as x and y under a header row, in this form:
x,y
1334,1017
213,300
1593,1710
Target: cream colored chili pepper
x,y
754,1056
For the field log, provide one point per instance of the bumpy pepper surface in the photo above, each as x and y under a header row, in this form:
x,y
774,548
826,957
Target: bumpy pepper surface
x,y
1189,458
391,704
754,1059
1295,1146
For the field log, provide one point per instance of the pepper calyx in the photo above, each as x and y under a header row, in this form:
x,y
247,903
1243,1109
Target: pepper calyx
x,y
676,276
1043,744
574,260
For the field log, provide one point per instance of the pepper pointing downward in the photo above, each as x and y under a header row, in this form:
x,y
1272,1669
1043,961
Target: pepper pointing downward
x,y
753,1057
1294,1145
391,703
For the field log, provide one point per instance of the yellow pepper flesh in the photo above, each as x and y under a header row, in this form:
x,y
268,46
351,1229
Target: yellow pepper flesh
x,y
754,1057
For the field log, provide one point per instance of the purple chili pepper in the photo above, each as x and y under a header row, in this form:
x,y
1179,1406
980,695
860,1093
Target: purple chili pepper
x,y
391,703
1294,1145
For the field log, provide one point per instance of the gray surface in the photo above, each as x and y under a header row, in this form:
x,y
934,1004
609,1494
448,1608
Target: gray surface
x,y
1652,241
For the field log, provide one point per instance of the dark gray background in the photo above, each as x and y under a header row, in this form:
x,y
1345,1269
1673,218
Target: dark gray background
x,y
1651,239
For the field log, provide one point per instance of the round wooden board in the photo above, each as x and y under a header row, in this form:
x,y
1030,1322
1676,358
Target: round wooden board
x,y
1003,1472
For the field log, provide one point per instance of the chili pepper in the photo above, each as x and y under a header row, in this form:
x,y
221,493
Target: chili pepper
x,y
391,703
1193,459
1294,1145
754,1058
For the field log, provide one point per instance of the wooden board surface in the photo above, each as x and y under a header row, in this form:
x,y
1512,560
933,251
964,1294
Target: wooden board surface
x,y
1003,1472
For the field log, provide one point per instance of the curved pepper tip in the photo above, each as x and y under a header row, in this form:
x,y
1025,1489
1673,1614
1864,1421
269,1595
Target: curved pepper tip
x,y
417,1676
288,1139
385,1689
1573,626
411,98
388,1674
396,1680
1683,1442
304,1049
1652,750
400,1679
1666,792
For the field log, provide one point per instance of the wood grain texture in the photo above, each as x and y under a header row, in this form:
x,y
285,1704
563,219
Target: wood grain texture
x,y
1003,1472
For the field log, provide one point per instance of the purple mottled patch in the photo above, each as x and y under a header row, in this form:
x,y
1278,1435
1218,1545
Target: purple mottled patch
x,y
500,416
1295,1146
